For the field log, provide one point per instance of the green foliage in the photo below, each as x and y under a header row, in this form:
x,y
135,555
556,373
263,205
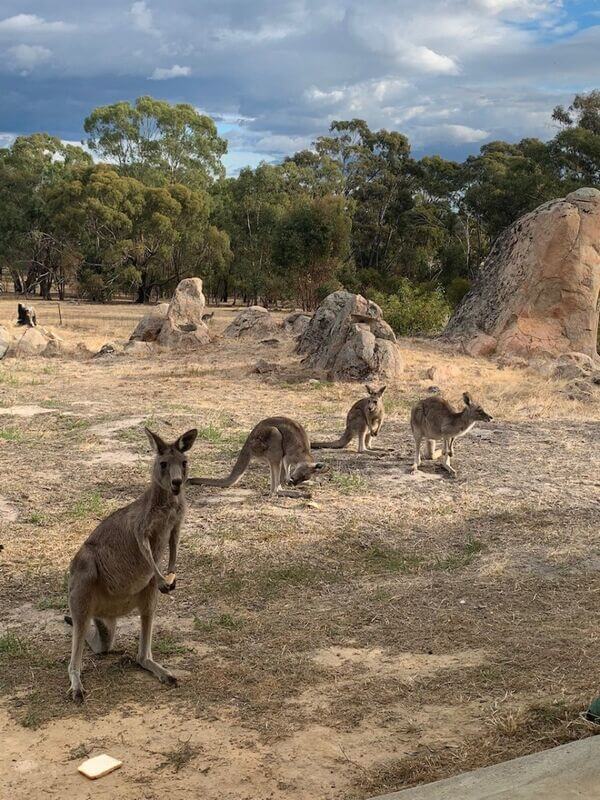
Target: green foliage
x,y
456,290
357,211
414,310
155,141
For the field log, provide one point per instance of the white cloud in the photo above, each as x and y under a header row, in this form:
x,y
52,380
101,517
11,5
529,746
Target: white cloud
x,y
142,17
23,58
463,133
280,144
31,23
426,60
165,73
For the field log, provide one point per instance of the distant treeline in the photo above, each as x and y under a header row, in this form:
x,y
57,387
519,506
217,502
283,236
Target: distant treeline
x,y
356,211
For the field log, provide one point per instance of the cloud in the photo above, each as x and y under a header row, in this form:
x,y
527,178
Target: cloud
x,y
142,17
450,74
23,58
31,23
165,73
462,133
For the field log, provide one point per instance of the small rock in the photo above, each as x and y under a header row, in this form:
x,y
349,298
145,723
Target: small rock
x,y
263,367
271,342
481,345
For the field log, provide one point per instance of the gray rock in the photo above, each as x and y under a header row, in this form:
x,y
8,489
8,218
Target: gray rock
x,y
253,322
149,327
348,339
296,323
183,327
5,340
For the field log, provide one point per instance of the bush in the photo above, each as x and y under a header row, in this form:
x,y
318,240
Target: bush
x,y
414,309
457,289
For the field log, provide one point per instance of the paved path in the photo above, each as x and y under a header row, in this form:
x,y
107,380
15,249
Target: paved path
x,y
569,772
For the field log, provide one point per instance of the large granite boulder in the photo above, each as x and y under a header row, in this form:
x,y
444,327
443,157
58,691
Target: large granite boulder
x,y
177,324
150,325
36,342
537,292
296,323
254,322
348,339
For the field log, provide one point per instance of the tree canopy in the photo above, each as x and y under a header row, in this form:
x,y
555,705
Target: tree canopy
x,y
357,210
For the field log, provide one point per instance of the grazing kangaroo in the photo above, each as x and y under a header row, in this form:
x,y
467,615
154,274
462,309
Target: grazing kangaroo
x,y
115,570
283,445
433,419
364,420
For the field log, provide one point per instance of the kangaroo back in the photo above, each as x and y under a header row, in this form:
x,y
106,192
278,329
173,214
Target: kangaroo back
x,y
240,466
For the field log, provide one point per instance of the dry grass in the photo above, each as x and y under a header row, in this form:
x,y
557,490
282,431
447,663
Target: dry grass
x,y
393,631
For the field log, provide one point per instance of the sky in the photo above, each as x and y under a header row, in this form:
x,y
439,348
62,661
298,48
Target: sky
x,y
450,74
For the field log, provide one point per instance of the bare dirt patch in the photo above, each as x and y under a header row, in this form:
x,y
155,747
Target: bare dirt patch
x,y
389,631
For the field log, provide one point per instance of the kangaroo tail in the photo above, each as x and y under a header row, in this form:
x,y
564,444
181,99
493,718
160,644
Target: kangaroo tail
x,y
338,444
240,466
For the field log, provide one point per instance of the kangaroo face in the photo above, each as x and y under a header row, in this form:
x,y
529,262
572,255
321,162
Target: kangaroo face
x,y
476,411
305,471
170,464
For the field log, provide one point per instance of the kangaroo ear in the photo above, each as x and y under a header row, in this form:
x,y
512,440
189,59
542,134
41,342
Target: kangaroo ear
x,y
157,443
382,390
467,398
186,440
369,388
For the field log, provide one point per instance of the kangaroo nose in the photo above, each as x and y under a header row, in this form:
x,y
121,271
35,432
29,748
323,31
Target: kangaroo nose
x,y
176,483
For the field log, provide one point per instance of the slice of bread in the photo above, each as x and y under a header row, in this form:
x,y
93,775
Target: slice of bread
x,y
99,766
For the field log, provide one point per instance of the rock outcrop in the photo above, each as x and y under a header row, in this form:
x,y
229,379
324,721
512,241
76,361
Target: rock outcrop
x,y
177,324
36,341
538,291
252,322
348,339
150,325
296,323
5,340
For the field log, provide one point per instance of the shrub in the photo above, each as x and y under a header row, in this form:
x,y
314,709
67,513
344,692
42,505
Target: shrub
x,y
456,290
414,309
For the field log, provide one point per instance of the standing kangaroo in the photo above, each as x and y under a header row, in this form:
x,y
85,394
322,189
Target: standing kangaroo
x,y
433,419
283,445
364,420
115,570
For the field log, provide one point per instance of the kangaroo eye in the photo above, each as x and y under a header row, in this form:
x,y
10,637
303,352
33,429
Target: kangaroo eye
x,y
163,464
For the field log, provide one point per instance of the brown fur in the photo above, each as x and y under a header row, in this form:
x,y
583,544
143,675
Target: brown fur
x,y
115,570
434,418
280,442
363,421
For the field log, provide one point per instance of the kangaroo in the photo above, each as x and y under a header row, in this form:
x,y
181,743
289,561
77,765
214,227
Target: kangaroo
x,y
433,418
208,317
115,570
364,420
283,445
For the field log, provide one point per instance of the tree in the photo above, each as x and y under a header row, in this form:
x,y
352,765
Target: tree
x,y
29,170
126,235
312,240
158,142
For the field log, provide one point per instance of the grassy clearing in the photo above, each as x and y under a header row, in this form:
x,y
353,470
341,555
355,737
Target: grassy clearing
x,y
461,624
11,435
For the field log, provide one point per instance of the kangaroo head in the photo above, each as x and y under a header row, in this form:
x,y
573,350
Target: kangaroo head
x,y
476,412
375,395
304,471
170,463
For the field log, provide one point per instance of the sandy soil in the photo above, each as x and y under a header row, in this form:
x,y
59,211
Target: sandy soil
x,y
392,629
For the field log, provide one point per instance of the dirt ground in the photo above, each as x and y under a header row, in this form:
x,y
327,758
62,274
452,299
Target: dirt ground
x,y
391,630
